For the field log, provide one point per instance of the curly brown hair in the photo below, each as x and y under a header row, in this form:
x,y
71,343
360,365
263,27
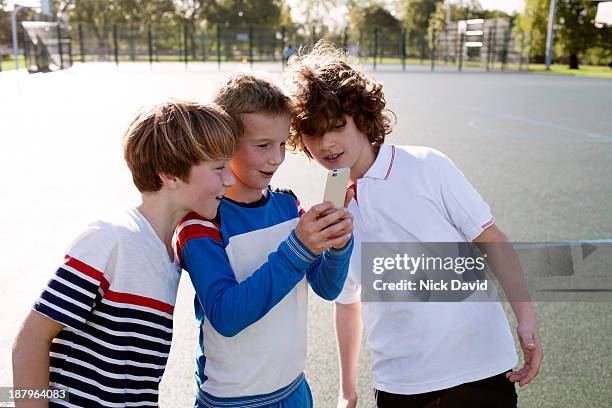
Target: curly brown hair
x,y
325,85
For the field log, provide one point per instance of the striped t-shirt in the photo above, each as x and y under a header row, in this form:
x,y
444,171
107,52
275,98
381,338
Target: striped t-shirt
x,y
115,294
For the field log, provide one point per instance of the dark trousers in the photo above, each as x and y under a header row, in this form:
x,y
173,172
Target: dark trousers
x,y
493,392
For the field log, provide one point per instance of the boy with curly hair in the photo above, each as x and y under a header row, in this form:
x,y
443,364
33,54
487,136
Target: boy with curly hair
x,y
423,354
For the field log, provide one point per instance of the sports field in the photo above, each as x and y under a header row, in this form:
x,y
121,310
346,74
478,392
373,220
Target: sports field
x,y
537,147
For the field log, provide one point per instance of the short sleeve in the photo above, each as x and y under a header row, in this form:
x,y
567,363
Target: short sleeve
x,y
351,292
467,211
82,278
287,191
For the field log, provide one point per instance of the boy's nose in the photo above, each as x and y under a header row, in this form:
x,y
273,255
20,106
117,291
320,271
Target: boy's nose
x,y
278,156
228,178
326,142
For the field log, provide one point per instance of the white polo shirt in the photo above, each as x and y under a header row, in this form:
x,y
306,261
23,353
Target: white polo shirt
x,y
416,194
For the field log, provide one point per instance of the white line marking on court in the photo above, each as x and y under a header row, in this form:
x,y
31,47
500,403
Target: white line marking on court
x,y
590,135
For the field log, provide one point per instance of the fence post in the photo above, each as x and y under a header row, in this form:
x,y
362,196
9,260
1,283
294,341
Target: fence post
x,y
81,48
494,55
219,47
507,40
313,34
461,43
432,54
446,46
375,53
70,61
529,51
59,45
360,44
345,39
489,47
180,41
150,43
116,44
381,42
283,30
403,49
251,45
422,48
522,51
185,40
203,44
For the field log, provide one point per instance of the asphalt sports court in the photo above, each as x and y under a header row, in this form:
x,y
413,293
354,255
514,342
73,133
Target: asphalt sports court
x,y
537,147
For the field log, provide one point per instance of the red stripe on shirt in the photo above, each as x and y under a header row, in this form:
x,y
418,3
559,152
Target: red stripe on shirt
x,y
131,299
299,206
87,270
192,216
391,163
354,187
195,231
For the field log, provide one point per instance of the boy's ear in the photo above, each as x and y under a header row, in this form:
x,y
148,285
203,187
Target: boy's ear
x,y
170,182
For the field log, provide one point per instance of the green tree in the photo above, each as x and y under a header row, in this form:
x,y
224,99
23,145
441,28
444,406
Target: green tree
x,y
362,18
416,14
534,22
5,25
247,12
576,32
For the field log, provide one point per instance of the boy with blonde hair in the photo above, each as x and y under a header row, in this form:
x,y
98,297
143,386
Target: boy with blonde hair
x,y
100,332
440,354
252,265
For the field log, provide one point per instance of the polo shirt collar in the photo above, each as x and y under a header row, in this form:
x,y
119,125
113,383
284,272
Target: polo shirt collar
x,y
381,168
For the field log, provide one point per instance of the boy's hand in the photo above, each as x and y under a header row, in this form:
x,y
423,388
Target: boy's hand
x,y
527,332
320,229
347,401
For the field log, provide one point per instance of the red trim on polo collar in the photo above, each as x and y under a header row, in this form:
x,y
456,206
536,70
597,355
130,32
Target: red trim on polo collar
x,y
391,162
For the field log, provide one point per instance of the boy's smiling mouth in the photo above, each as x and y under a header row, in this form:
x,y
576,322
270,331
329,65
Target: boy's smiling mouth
x,y
267,173
333,158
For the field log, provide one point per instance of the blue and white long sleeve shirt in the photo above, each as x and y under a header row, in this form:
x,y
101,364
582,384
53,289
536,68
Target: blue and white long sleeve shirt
x,y
251,275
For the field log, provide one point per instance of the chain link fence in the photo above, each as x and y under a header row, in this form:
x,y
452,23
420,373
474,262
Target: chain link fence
x,y
486,45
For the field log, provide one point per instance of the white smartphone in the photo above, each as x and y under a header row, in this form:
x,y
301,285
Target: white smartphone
x,y
336,185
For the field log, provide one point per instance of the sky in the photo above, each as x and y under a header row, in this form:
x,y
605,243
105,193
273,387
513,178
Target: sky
x,y
505,5
508,6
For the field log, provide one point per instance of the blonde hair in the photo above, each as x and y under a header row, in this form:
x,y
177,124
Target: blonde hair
x,y
172,137
250,92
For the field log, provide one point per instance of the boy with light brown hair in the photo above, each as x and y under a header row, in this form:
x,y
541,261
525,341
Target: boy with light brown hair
x,y
251,266
100,332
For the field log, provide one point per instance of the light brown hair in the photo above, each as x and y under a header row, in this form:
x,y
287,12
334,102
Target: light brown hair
x,y
172,137
325,85
248,92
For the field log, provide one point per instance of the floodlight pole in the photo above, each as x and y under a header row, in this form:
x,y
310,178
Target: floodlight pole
x,y
14,28
550,38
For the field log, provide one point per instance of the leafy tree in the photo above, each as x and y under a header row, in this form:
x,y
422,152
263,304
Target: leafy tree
x,y
5,25
363,18
416,14
534,22
577,33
